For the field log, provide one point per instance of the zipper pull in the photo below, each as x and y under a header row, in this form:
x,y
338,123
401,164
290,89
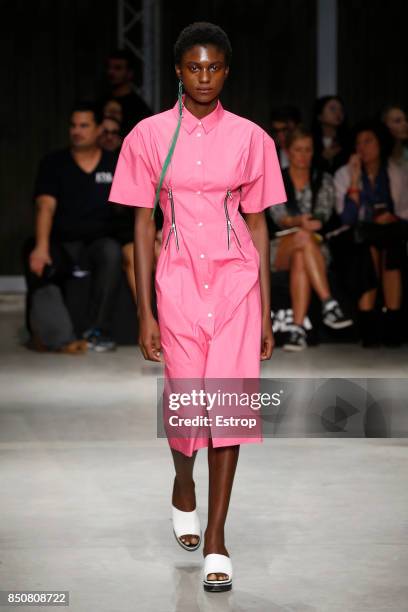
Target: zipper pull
x,y
229,194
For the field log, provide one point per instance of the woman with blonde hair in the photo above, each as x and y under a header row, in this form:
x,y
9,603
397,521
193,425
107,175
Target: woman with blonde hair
x,y
298,246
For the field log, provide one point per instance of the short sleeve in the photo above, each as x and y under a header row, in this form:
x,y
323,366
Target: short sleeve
x,y
263,184
133,182
47,181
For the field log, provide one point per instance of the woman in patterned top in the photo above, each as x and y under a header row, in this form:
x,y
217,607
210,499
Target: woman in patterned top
x,y
298,247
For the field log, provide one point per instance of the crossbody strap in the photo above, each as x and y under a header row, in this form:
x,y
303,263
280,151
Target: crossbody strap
x,y
171,148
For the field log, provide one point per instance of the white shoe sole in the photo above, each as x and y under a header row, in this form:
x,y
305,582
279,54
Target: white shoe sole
x,y
342,325
292,348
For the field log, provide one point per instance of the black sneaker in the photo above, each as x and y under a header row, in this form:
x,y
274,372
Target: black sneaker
x,y
98,342
333,316
296,340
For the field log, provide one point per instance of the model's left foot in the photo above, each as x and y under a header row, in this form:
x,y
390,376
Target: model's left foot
x,y
214,543
184,499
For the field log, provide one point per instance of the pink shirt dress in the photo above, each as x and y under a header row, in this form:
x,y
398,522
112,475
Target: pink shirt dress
x,y
207,275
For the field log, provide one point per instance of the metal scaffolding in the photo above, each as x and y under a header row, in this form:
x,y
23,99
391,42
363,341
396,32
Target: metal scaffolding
x,y
139,33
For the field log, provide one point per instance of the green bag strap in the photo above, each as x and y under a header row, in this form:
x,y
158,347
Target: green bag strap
x,y
171,148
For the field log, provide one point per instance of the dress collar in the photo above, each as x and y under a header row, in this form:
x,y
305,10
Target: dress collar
x,y
190,122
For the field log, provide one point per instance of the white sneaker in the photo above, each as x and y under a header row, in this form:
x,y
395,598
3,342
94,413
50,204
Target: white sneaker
x,y
333,316
297,339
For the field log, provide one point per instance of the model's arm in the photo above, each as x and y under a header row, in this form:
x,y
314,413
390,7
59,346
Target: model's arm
x,y
259,231
144,239
40,256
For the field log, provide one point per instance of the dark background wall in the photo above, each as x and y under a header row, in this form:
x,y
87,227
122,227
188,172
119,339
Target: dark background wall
x,y
53,51
274,51
372,54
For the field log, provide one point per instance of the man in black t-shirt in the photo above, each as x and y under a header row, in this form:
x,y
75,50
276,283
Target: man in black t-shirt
x,y
72,238
120,74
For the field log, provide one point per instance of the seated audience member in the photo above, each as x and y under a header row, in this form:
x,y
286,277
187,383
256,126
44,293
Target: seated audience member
x,y
330,134
71,238
110,138
122,230
121,75
396,121
299,249
121,226
283,120
372,198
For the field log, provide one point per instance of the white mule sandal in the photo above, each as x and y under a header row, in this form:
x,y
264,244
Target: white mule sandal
x,y
217,564
186,523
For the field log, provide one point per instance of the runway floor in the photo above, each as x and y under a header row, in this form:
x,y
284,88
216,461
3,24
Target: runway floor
x,y
315,524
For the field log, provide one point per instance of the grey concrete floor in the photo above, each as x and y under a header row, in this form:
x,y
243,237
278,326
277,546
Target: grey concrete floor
x,y
315,525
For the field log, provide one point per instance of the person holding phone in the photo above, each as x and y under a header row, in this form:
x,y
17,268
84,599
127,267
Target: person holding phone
x,y
372,198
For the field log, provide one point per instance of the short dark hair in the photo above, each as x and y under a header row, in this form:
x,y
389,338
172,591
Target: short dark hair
x,y
286,113
109,118
85,106
300,131
380,131
126,55
202,33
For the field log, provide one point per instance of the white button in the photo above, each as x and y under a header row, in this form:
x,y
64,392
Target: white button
x,y
198,192
198,133
210,314
202,255
205,286
199,163
200,223
199,123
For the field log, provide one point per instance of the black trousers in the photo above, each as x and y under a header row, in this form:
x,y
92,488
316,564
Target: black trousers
x,y
352,257
47,315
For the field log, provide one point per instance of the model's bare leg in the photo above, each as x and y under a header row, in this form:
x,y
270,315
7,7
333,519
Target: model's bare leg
x,y
184,489
222,463
300,288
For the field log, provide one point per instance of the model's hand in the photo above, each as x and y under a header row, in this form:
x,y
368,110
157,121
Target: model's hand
x,y
149,338
39,258
268,341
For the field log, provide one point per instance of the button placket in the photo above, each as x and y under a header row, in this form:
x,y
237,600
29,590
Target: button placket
x,y
202,245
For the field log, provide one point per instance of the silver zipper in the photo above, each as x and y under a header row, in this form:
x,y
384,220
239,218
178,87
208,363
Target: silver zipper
x,y
229,224
173,227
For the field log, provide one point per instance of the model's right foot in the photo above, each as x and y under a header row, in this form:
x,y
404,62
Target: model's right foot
x,y
184,499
